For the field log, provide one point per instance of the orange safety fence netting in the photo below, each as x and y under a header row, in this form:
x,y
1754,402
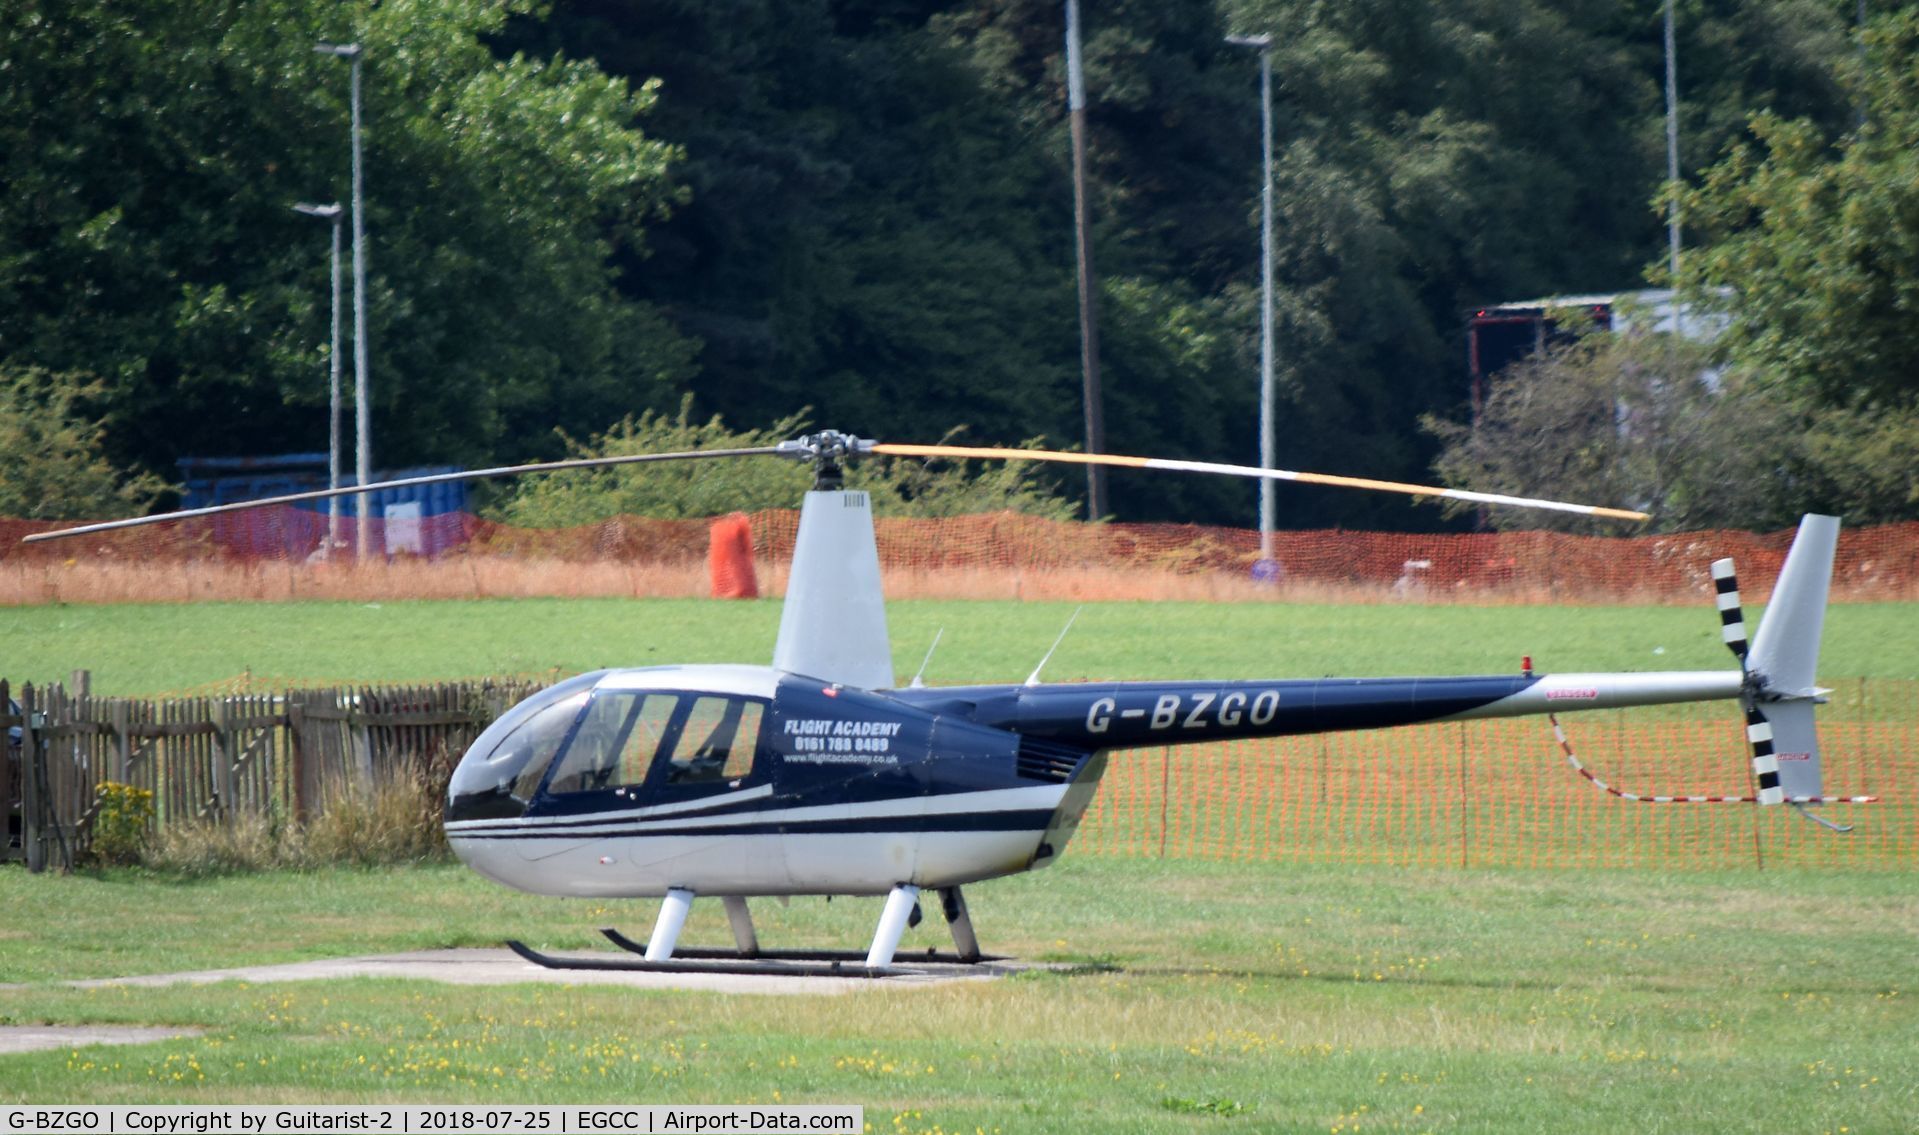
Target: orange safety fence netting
x,y
277,553
1501,794
1495,793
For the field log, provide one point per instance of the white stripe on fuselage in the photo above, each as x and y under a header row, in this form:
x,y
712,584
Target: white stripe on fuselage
x,y
595,825
709,802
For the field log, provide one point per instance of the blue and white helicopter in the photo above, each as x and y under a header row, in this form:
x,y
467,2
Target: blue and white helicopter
x,y
821,775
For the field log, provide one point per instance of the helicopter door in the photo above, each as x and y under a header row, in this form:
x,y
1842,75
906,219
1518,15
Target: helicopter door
x,y
604,761
716,745
643,768
711,754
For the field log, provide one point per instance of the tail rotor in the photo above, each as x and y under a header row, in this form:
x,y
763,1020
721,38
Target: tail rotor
x,y
1732,630
1778,694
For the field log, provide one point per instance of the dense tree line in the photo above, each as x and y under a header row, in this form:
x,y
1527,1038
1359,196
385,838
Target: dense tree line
x,y
584,211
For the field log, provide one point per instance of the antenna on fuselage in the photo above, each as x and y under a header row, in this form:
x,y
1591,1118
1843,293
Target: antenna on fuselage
x,y
1033,678
918,683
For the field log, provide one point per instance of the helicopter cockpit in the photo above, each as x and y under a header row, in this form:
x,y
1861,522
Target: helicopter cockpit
x,y
588,742
499,774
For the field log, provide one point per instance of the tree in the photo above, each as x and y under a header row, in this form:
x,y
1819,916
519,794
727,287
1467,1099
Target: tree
x,y
1812,248
152,150
1817,238
867,231
1641,421
53,466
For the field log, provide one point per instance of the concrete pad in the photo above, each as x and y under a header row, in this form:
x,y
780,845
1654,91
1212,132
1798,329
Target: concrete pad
x,y
504,967
35,1038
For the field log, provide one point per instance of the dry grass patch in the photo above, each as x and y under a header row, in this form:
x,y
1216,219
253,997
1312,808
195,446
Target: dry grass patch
x,y
396,820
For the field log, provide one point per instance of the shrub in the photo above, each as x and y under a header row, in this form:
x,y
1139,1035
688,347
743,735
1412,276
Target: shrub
x,y
122,819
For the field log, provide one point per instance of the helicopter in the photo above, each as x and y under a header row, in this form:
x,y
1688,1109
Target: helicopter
x,y
820,775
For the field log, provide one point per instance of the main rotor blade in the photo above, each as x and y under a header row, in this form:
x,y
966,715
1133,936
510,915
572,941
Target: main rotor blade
x,y
402,483
900,450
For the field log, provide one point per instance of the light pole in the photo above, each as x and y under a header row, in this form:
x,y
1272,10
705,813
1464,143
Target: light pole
x,y
1672,157
331,213
362,418
1266,441
1088,283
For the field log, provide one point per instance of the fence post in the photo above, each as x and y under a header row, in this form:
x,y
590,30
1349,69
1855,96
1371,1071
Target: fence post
x,y
32,787
1465,803
303,758
1165,794
8,788
223,753
119,719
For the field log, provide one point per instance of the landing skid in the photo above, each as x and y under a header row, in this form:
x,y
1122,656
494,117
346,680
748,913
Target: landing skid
x,y
662,955
750,966
931,955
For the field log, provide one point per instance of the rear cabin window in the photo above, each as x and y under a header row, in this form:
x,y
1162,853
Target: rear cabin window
x,y
716,743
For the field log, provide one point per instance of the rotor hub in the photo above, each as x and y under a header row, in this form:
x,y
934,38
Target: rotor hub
x,y
828,451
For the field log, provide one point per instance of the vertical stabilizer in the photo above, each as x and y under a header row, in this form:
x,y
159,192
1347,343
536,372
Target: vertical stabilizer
x,y
1784,664
1785,652
833,625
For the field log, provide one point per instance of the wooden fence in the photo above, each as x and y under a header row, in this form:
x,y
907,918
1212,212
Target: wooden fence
x,y
215,759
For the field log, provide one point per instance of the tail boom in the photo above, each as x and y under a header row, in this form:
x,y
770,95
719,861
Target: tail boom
x,y
1559,693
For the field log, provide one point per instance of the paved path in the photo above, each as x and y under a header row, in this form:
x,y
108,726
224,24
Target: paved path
x,y
33,1038
470,967
504,967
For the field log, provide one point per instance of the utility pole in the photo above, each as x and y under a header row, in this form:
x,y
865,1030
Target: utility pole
x,y
1267,442
331,214
1672,154
1088,287
362,411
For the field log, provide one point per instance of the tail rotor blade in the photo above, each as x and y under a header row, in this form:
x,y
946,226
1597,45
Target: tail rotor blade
x,y
1123,461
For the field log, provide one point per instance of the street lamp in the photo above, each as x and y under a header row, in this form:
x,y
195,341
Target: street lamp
x,y
1264,43
331,213
362,420
1088,285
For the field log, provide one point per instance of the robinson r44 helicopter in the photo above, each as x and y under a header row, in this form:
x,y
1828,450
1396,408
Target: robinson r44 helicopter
x,y
820,775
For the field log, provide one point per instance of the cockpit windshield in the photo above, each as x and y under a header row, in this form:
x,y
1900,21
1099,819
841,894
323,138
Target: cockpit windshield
x,y
503,769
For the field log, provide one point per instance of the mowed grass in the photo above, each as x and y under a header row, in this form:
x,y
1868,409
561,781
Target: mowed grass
x,y
1199,996
1203,997
145,649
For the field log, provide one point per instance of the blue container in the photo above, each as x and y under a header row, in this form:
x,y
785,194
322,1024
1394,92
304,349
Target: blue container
x,y
421,520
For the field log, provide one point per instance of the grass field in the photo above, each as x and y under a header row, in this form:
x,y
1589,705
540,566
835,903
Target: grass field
x,y
139,649
1205,998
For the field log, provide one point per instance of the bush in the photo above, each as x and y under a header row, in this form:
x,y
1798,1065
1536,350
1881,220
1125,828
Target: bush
x,y
122,820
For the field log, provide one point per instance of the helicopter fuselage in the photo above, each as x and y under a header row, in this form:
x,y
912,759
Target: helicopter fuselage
x,y
745,780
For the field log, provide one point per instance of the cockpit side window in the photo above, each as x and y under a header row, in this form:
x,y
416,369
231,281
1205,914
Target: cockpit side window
x,y
717,741
615,742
